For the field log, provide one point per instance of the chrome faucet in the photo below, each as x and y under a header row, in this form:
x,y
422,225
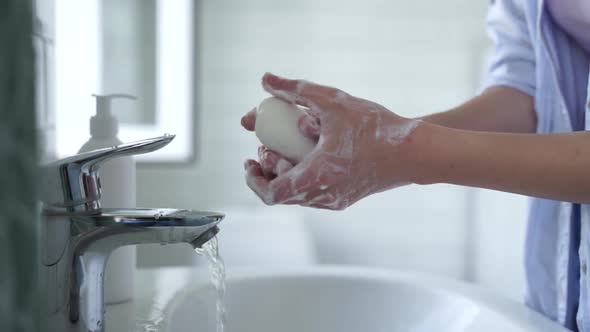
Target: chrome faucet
x,y
78,235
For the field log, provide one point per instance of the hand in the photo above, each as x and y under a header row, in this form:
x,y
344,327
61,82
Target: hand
x,y
362,149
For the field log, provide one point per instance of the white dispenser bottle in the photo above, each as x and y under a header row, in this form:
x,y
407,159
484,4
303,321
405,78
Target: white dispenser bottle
x,y
117,179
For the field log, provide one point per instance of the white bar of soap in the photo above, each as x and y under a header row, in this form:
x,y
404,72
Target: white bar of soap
x,y
276,127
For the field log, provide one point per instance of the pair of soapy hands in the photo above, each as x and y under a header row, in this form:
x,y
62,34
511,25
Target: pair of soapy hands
x,y
360,149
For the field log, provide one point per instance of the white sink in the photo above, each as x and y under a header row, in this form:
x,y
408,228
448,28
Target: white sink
x,y
344,299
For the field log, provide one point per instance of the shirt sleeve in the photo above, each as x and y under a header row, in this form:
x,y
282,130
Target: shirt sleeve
x,y
512,62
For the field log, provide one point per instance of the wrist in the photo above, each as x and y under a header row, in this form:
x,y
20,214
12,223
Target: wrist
x,y
427,154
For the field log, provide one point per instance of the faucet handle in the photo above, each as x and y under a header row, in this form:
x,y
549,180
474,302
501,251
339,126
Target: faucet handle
x,y
73,184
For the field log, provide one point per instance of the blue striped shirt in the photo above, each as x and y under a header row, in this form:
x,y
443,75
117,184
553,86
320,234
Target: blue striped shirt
x,y
534,55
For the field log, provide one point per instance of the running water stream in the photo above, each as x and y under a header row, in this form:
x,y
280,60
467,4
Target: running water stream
x,y
217,270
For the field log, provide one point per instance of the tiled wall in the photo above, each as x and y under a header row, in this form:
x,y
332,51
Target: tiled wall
x,y
414,57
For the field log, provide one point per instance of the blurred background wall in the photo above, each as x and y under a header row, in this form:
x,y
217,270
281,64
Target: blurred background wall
x,y
414,57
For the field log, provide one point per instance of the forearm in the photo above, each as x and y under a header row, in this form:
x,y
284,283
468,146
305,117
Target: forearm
x,y
498,109
548,166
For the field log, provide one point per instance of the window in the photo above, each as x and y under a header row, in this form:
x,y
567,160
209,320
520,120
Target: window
x,y
137,47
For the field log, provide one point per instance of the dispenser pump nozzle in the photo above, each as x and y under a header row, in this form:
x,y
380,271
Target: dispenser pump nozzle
x,y
104,124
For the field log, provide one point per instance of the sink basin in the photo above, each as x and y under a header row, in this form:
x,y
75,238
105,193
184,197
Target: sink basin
x,y
345,299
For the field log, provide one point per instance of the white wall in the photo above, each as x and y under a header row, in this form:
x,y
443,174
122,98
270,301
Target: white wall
x,y
414,57
499,233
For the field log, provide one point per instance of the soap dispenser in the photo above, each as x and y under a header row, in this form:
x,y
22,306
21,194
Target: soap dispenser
x,y
117,179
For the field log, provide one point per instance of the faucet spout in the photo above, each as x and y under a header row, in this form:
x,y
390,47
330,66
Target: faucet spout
x,y
205,237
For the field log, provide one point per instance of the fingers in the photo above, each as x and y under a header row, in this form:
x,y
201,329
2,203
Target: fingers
x,y
282,166
272,163
249,120
316,97
268,160
295,185
301,186
252,167
257,181
309,126
272,191
288,188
